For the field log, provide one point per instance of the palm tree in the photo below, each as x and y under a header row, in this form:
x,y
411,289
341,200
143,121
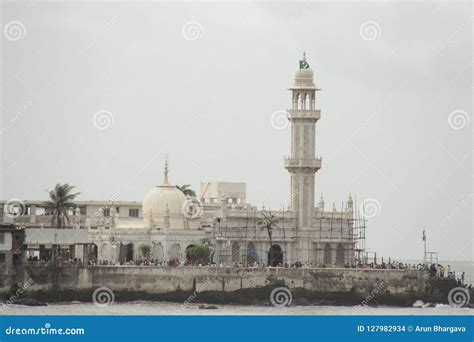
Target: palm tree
x,y
59,204
186,190
269,223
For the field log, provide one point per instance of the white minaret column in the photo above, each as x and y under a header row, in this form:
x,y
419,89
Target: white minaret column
x,y
302,164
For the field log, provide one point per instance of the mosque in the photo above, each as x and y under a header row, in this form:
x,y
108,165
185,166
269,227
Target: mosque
x,y
169,222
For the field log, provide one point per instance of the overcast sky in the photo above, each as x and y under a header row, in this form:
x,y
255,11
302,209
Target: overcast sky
x,y
95,94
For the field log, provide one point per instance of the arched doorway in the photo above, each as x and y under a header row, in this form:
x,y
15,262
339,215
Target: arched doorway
x,y
175,251
158,252
275,256
327,254
93,252
125,253
235,252
252,255
104,253
340,255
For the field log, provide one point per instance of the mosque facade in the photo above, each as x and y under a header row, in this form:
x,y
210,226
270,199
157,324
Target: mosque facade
x,y
168,222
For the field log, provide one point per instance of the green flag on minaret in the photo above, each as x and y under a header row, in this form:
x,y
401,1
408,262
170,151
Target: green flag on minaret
x,y
303,63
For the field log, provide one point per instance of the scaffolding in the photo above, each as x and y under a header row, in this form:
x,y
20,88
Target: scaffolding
x,y
337,227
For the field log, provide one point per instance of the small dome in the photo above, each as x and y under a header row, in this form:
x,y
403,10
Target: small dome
x,y
304,76
304,79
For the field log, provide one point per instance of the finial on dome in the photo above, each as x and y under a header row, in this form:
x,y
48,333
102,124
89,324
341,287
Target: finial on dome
x,y
304,55
321,203
165,181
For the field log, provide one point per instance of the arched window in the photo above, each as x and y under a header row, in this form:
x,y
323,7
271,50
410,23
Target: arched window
x,y
327,254
235,252
252,255
175,251
158,252
340,255
104,253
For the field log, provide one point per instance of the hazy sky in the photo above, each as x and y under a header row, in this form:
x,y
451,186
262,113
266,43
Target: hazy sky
x,y
200,82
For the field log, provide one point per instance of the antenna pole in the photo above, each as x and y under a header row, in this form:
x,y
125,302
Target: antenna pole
x,y
424,246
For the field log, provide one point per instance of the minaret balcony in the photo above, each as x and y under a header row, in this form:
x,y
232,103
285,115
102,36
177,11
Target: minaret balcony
x,y
314,163
314,114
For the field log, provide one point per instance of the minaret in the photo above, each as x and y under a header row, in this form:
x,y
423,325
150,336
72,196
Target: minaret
x,y
302,164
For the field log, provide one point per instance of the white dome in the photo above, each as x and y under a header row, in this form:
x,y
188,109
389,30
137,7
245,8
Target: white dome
x,y
304,74
304,79
165,206
160,197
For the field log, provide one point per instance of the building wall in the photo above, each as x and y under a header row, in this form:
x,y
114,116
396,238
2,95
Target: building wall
x,y
228,279
215,192
7,243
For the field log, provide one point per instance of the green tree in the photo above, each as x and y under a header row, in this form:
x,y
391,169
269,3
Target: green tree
x,y
59,204
198,253
145,250
186,190
269,223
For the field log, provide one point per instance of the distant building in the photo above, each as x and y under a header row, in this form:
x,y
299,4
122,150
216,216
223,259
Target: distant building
x,y
168,222
11,243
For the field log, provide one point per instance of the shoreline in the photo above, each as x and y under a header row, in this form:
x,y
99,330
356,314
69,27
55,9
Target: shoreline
x,y
147,308
259,297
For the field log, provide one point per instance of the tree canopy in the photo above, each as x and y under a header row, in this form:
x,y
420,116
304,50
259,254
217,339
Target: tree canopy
x,y
60,202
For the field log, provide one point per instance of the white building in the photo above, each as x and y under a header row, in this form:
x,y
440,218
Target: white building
x,y
169,222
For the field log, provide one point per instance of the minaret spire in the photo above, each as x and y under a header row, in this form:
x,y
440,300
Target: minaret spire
x,y
166,170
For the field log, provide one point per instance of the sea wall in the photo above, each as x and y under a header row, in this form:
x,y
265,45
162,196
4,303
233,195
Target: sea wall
x,y
232,284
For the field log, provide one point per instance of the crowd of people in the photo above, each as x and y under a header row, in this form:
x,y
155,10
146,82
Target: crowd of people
x,y
176,262
435,270
438,270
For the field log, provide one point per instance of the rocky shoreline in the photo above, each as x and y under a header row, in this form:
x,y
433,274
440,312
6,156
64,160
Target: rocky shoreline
x,y
437,292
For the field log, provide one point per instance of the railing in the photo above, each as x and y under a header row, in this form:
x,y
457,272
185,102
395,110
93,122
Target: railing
x,y
312,163
304,113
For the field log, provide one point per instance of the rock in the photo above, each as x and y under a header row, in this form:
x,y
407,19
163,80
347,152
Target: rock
x,y
29,302
421,304
418,304
302,301
208,307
